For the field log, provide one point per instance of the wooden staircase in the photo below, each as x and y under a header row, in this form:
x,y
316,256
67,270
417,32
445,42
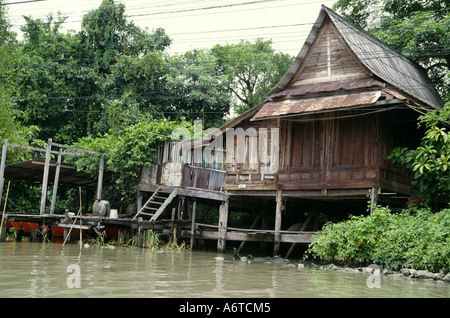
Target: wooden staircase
x,y
156,204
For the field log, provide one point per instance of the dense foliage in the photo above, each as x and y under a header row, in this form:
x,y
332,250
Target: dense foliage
x,y
124,154
112,87
416,239
429,163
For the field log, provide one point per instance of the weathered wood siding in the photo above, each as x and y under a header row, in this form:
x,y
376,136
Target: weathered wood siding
x,y
245,167
329,59
329,151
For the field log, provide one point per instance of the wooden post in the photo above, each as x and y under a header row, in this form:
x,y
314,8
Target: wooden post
x,y
181,208
100,178
373,199
3,228
222,233
276,247
140,232
2,168
194,208
45,177
139,200
55,183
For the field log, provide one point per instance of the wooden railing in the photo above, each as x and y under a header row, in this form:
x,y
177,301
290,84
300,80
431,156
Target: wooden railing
x,y
177,174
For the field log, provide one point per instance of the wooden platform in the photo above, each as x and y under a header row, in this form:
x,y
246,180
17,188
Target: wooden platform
x,y
202,231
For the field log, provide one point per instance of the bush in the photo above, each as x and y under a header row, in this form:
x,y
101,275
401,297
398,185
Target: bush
x,y
413,238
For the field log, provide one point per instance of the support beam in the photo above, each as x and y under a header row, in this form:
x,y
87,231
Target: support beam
x,y
55,183
100,178
222,233
139,200
255,222
279,198
2,168
45,177
373,199
194,208
308,219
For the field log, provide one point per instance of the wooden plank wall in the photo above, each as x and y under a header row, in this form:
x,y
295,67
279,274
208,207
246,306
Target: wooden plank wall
x,y
244,168
330,151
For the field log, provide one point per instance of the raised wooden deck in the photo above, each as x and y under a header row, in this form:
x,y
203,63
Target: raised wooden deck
x,y
202,231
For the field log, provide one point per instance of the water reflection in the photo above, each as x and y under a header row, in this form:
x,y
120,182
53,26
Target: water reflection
x,y
41,270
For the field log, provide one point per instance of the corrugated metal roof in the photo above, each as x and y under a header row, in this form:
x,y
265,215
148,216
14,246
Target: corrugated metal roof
x,y
306,105
385,63
31,171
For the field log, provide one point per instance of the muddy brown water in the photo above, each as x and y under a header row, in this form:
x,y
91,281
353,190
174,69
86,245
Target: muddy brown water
x,y
37,270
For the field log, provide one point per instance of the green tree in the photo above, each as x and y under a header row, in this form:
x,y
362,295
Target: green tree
x,y
430,162
252,69
71,84
107,34
52,84
195,89
10,126
125,153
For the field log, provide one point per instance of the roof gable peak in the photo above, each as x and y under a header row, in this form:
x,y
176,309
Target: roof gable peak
x,y
373,57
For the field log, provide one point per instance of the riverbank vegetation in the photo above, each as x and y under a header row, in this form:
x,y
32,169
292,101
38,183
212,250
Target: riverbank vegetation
x,y
149,239
414,238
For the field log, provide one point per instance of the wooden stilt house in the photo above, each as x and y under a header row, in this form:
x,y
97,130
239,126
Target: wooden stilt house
x,y
324,132
344,104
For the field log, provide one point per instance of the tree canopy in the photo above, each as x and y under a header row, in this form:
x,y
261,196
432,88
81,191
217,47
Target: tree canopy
x,y
113,87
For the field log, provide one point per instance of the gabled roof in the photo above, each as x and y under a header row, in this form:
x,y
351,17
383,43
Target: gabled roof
x,y
395,69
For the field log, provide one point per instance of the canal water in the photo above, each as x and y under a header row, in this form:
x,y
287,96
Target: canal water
x,y
37,270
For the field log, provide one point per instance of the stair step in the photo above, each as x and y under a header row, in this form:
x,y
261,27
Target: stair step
x,y
149,208
145,213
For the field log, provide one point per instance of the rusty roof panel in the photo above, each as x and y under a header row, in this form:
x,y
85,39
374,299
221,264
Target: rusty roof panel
x,y
329,87
297,106
31,171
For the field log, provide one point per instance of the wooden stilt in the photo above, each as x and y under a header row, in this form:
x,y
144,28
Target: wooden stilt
x,y
373,199
45,177
55,182
100,178
2,168
222,234
279,197
194,208
140,231
139,201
